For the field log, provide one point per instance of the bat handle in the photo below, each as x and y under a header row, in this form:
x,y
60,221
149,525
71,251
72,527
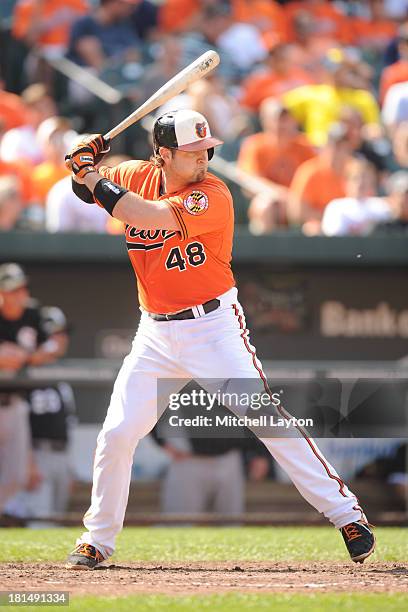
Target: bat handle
x,y
108,136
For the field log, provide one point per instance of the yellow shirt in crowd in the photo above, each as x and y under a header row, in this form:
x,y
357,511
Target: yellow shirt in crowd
x,y
316,107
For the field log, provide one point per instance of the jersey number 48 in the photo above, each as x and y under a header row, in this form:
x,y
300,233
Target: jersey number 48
x,y
194,255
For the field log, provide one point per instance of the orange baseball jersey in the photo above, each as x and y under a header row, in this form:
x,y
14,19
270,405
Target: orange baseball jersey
x,y
179,269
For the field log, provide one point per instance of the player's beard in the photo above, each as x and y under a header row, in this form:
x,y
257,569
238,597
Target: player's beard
x,y
200,175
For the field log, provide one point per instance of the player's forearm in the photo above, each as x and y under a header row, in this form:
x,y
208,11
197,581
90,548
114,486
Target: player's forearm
x,y
12,356
137,212
144,214
49,351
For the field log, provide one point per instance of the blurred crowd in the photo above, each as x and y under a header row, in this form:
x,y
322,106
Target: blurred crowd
x,y
310,98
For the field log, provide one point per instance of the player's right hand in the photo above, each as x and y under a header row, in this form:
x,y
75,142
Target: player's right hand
x,y
12,356
99,144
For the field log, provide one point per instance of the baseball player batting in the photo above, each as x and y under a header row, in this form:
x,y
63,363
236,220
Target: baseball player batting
x,y
179,223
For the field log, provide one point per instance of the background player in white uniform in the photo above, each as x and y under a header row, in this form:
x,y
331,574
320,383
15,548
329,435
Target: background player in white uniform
x,y
179,228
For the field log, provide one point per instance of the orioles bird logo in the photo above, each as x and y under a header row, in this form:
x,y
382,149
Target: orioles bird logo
x,y
201,129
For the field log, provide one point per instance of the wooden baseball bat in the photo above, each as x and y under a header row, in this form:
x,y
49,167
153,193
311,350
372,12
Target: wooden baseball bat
x,y
194,71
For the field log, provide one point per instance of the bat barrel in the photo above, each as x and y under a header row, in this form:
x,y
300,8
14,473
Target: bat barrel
x,y
194,71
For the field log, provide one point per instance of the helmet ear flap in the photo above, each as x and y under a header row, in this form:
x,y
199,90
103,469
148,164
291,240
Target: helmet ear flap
x,y
210,153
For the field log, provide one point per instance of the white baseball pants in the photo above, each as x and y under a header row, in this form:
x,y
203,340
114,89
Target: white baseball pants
x,y
213,346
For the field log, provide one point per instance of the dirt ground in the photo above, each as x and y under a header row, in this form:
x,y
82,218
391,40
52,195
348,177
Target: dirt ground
x,y
206,578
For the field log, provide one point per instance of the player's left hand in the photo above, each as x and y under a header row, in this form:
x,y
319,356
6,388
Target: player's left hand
x,y
12,356
81,160
86,154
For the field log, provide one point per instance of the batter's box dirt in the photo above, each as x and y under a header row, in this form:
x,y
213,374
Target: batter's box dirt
x,y
207,577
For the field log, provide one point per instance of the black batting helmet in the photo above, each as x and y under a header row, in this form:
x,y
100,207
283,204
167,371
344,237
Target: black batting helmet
x,y
185,130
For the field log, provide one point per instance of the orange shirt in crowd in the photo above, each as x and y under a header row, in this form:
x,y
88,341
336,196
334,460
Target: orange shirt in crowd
x,y
258,87
316,184
56,14
12,111
396,73
44,177
195,260
22,174
260,156
376,34
266,15
329,22
175,15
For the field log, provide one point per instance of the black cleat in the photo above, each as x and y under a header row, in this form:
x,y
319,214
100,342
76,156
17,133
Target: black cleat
x,y
359,539
85,556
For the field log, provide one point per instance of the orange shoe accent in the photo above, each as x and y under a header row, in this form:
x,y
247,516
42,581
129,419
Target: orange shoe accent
x,y
352,533
87,551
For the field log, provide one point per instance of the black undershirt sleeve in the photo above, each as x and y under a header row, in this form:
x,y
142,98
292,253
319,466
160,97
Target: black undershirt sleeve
x,y
82,192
